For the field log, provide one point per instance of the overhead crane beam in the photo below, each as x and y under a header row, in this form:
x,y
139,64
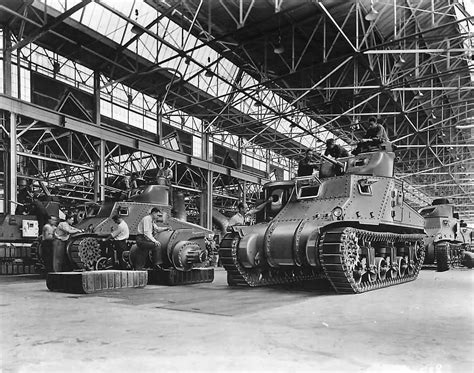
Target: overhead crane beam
x,y
50,25
59,120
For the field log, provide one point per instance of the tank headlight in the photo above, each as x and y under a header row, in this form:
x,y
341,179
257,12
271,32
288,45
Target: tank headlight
x,y
337,213
446,222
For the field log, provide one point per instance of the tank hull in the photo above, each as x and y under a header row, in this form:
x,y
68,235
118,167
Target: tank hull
x,y
355,230
447,241
184,247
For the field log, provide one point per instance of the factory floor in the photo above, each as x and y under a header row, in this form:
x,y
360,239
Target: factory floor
x,y
423,326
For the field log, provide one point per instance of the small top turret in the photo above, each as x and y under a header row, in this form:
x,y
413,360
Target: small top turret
x,y
152,194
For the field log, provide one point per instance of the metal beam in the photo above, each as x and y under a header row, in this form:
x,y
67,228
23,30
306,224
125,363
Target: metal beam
x,y
113,135
50,25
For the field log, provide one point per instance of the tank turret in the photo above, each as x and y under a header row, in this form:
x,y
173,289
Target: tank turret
x,y
355,229
186,248
449,241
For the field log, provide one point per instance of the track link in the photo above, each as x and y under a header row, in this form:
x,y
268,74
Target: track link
x,y
339,252
264,276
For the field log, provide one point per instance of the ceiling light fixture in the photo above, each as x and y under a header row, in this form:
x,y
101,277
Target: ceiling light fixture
x,y
373,14
400,62
208,72
135,29
279,48
419,95
56,67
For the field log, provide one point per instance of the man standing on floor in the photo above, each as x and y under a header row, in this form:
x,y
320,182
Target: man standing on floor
x,y
61,235
47,241
120,237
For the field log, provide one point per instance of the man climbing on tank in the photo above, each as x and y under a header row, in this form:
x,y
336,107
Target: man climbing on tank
x,y
146,241
244,215
307,165
62,234
239,217
334,150
374,136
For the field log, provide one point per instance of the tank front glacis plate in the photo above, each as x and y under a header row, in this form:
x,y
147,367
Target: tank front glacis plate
x,y
440,224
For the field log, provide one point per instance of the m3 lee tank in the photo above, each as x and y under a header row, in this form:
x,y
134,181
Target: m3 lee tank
x,y
449,242
186,249
356,230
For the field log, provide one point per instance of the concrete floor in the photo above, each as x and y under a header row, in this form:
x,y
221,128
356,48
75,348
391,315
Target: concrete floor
x,y
423,326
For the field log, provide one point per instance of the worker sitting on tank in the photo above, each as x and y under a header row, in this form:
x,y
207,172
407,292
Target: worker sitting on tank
x,y
335,151
374,137
307,165
147,243
165,174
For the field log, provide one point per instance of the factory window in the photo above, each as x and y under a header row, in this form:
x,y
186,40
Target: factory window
x,y
253,162
105,108
135,119
119,113
171,142
197,146
150,124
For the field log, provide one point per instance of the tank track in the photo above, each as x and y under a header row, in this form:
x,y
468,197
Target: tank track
x,y
237,275
338,249
448,255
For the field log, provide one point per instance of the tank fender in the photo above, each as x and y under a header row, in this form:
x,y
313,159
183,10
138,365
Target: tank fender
x,y
164,238
305,232
250,249
279,237
311,249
